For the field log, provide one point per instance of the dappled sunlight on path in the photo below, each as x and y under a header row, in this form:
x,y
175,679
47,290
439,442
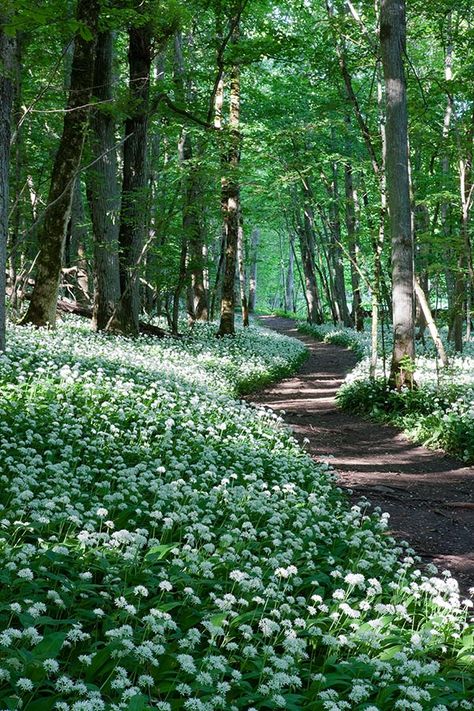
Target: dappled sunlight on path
x,y
429,496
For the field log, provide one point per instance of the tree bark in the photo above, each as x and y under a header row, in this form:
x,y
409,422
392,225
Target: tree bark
x,y
254,241
290,278
7,63
42,307
242,274
392,37
231,202
191,195
336,251
306,235
352,235
102,188
425,308
134,184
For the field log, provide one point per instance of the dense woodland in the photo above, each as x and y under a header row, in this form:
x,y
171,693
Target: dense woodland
x,y
171,174
162,156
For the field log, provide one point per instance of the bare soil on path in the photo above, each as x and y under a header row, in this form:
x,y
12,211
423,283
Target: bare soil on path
x,y
428,495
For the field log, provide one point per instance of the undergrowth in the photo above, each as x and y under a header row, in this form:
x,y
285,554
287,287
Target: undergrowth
x,y
165,546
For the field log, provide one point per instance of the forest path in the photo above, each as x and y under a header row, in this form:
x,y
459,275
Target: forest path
x,y
428,495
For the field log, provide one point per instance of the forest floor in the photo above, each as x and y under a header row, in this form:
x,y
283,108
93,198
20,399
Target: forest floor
x,y
427,494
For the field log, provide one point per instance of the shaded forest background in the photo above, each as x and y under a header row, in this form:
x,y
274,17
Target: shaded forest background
x,y
167,156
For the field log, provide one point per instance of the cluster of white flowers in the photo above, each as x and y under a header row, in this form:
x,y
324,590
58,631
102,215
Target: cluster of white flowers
x,y
205,565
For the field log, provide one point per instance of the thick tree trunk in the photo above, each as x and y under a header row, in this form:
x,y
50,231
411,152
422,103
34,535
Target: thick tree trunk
x,y
231,203
42,307
7,61
254,241
392,37
133,207
102,189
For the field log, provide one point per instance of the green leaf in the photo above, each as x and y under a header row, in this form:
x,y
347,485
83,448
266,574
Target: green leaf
x,y
137,703
159,552
217,620
43,704
50,646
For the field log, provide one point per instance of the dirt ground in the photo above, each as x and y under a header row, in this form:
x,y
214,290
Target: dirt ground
x,y
428,495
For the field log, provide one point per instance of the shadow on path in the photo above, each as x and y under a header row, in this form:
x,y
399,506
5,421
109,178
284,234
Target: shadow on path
x,y
428,495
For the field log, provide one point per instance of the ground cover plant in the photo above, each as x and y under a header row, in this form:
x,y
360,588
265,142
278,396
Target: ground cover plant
x,y
438,413
166,546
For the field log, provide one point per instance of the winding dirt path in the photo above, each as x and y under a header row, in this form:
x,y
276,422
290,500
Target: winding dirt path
x,y
428,495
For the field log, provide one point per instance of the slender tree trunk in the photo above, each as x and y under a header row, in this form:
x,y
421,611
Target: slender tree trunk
x,y
242,274
425,308
102,189
307,236
465,273
7,62
76,250
218,109
254,241
313,300
392,36
231,204
197,264
133,212
290,279
445,169
191,195
336,251
18,163
379,236
42,307
352,209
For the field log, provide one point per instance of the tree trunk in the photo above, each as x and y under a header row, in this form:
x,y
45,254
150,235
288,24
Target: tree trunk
x,y
392,37
254,241
426,311
242,275
7,61
231,202
133,207
336,250
75,249
191,191
290,278
352,235
102,189
313,301
18,163
42,307
445,204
